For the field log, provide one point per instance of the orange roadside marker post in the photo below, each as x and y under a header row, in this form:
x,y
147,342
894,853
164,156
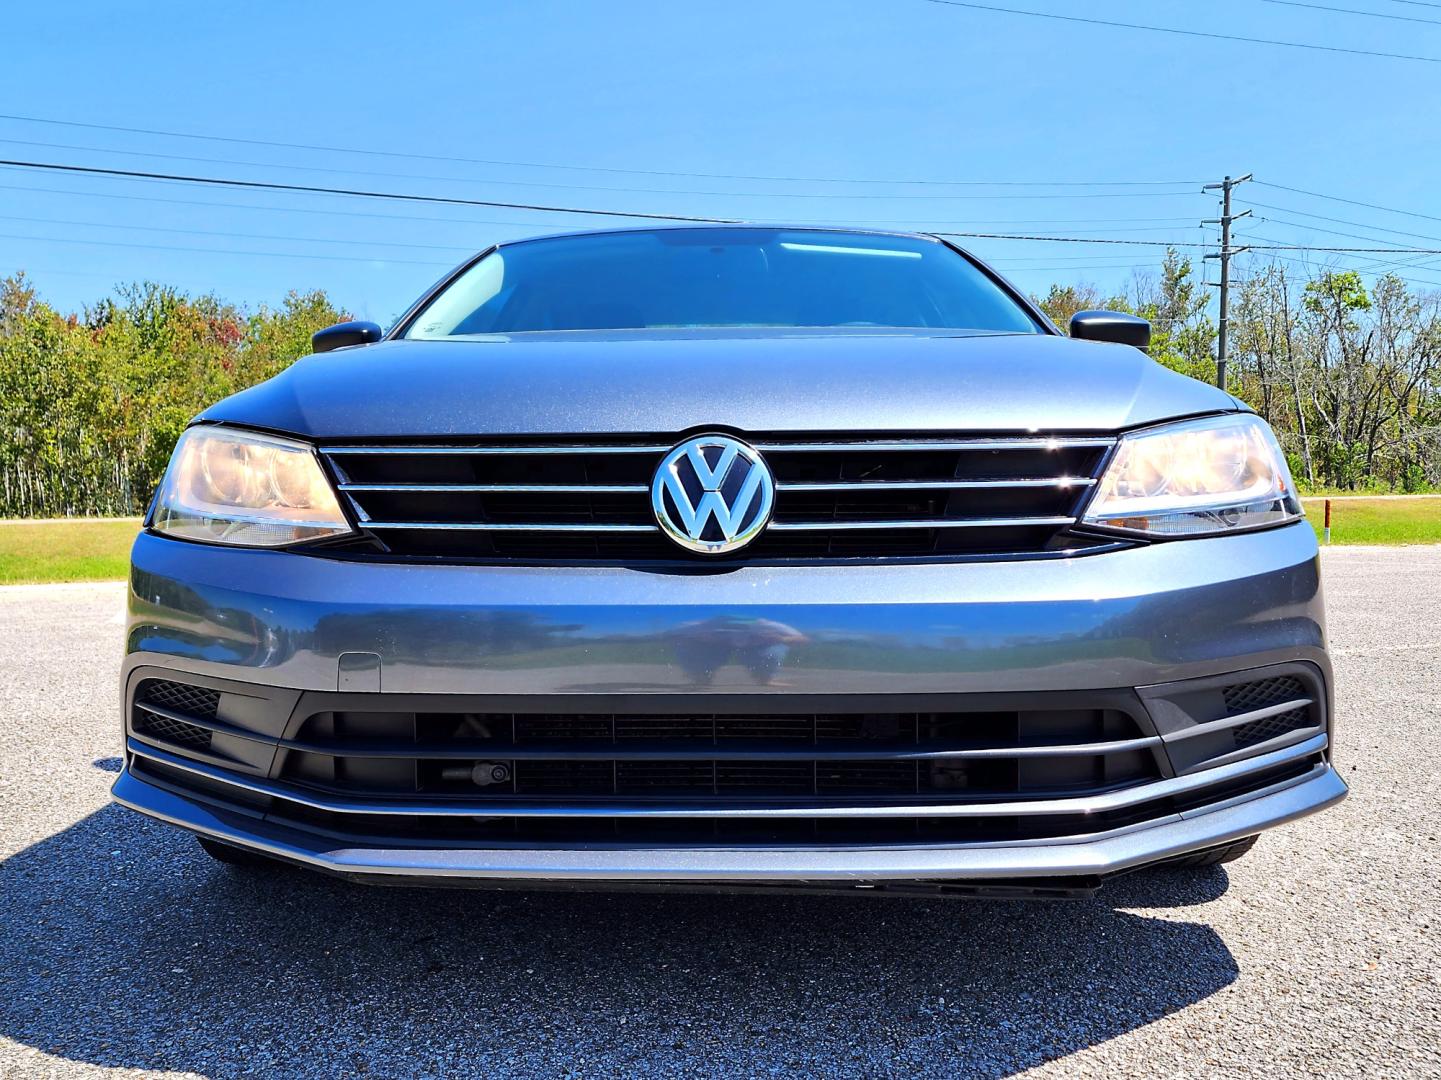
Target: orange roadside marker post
x,y
1328,521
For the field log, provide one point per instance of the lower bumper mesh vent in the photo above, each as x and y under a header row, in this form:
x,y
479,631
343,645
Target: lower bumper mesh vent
x,y
198,701
172,731
1260,694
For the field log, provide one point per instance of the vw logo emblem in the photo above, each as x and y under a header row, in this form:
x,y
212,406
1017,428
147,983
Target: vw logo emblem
x,y
712,494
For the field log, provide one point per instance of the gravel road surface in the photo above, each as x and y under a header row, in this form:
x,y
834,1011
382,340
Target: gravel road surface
x,y
124,949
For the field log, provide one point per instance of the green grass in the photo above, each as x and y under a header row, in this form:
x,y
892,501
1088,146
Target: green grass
x,y
83,549
1378,521
73,550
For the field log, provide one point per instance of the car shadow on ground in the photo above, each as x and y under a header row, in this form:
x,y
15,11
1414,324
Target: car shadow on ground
x,y
122,944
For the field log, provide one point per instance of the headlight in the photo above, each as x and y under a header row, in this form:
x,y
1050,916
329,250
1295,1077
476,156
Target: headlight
x,y
1196,478
236,487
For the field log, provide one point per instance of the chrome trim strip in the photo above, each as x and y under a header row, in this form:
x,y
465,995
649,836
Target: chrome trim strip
x,y
936,523
1166,836
801,752
594,448
774,526
938,485
508,489
1061,482
1239,719
1289,738
1019,443
1090,804
508,526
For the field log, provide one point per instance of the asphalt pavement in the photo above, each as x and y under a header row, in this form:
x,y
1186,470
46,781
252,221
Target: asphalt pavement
x,y
125,951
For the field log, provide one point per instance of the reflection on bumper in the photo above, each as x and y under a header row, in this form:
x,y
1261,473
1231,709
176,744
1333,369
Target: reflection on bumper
x,y
1124,849
1123,618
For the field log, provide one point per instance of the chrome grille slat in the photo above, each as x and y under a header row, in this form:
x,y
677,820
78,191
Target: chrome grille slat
x,y
948,523
771,808
507,489
1018,443
836,498
941,485
505,526
777,526
438,449
640,489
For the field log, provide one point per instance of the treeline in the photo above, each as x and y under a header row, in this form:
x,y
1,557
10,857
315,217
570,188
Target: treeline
x,y
91,403
1349,377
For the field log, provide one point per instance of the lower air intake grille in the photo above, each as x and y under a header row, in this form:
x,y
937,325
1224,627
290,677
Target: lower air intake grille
x,y
487,756
197,701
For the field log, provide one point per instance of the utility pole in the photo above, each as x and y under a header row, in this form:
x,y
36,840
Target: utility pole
x,y
1224,256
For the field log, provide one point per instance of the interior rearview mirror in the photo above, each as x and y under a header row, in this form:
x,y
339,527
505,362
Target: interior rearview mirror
x,y
1114,326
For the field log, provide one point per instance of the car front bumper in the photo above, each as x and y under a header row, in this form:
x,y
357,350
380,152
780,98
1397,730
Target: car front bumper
x,y
1154,622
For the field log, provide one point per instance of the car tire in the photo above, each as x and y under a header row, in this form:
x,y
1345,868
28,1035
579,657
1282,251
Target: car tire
x,y
231,855
1215,856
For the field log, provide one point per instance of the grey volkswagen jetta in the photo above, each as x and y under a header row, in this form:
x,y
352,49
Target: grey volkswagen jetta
x,y
738,556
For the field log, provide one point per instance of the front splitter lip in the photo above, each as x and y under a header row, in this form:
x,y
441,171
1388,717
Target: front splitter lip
x,y
1174,835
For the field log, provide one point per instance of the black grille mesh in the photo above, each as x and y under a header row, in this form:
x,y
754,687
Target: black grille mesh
x,y
1258,731
1258,695
194,700
173,731
197,701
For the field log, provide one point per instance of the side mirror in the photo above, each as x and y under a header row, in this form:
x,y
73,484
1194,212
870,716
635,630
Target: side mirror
x,y
1114,326
345,334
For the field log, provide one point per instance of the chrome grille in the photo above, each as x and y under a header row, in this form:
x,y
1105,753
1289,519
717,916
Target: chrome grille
x,y
842,498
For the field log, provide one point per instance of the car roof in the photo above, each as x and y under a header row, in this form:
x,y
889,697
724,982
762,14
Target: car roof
x,y
722,226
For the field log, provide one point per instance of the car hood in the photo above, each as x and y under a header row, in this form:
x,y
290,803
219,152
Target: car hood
x,y
621,382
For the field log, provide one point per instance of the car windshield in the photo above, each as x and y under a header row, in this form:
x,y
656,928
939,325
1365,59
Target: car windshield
x,y
670,278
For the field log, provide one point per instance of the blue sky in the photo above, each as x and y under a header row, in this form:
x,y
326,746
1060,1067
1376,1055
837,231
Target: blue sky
x,y
848,89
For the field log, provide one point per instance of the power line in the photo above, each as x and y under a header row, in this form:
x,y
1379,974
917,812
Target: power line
x,y
1070,239
1184,33
1420,256
1329,232
221,251
1342,221
1176,221
525,206
238,235
1278,246
448,200
264,207
1353,11
1310,265
457,201
503,183
1351,202
589,168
